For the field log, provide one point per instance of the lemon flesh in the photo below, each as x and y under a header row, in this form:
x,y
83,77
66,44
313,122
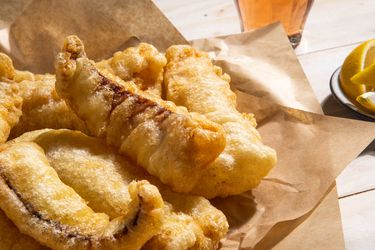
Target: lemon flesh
x,y
366,77
360,58
367,100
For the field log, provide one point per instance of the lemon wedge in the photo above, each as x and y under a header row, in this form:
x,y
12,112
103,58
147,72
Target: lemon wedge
x,y
367,100
359,59
366,77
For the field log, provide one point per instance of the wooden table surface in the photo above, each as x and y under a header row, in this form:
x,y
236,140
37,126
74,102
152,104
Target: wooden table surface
x,y
333,29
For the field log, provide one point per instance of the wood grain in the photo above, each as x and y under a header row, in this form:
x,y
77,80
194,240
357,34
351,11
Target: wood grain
x,y
358,177
358,221
199,19
319,67
333,23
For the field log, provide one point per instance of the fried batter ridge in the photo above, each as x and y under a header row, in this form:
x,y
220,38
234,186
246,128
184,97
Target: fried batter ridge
x,y
10,100
42,107
144,65
101,177
191,222
12,238
192,80
44,207
169,142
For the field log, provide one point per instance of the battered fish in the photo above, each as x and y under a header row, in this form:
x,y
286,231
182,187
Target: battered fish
x,y
101,176
42,107
193,81
44,207
169,142
191,223
10,100
143,65
12,239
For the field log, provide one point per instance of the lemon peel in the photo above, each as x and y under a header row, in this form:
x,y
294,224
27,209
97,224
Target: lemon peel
x,y
367,100
360,58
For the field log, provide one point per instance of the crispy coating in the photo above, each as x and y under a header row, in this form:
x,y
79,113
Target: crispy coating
x,y
112,198
193,81
170,143
10,108
47,209
12,239
179,232
6,67
143,65
10,100
42,107
24,165
190,222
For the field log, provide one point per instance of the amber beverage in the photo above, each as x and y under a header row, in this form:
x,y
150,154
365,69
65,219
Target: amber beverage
x,y
291,13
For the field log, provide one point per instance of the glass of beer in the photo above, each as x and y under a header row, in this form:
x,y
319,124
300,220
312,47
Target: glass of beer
x,y
291,13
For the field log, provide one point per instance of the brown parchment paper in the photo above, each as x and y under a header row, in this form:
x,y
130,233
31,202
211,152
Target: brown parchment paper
x,y
312,151
327,232
265,66
319,229
312,148
109,25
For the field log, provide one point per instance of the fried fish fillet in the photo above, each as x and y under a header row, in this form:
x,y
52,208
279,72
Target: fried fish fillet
x,y
10,100
101,176
42,107
73,154
191,223
143,65
169,142
193,81
6,67
12,239
44,207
